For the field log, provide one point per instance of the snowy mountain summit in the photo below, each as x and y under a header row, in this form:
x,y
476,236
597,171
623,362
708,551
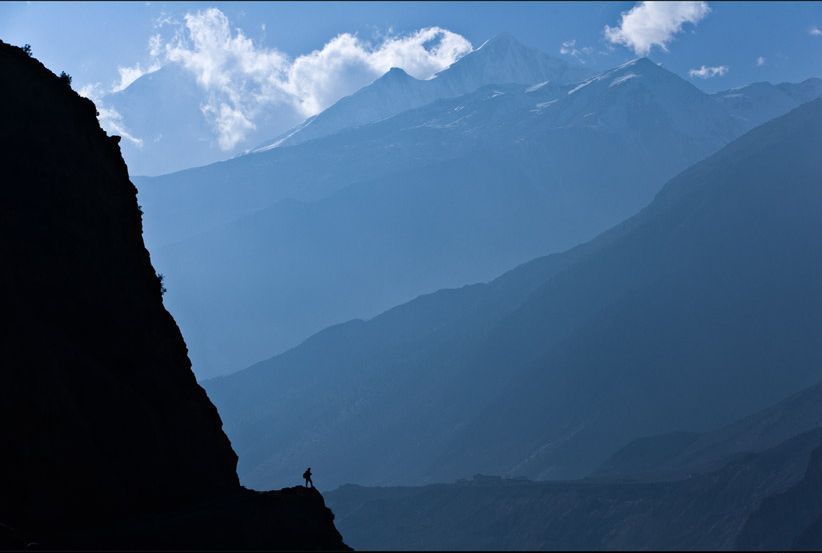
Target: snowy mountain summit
x,y
501,59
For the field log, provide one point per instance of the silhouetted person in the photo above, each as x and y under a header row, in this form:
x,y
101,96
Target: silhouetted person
x,y
307,477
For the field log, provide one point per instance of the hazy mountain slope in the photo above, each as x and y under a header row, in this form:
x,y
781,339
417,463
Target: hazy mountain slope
x,y
707,511
452,192
163,111
188,202
681,454
103,422
758,102
500,60
699,310
791,519
292,269
703,314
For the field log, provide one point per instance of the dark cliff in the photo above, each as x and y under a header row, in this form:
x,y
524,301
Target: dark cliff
x,y
103,423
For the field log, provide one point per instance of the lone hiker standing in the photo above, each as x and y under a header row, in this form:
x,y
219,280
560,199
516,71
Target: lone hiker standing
x,y
307,478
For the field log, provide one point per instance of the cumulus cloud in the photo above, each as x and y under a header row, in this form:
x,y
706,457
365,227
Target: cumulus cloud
x,y
242,78
651,23
815,31
706,72
347,62
760,61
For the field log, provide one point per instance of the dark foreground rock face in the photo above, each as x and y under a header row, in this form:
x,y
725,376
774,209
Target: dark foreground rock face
x,y
103,424
291,519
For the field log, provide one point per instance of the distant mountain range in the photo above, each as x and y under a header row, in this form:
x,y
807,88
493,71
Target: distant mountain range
x,y
702,308
683,454
764,500
163,109
758,102
748,485
296,238
501,60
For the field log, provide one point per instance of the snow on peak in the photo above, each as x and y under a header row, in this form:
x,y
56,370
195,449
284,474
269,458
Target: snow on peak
x,y
537,86
584,84
619,80
501,40
636,62
540,106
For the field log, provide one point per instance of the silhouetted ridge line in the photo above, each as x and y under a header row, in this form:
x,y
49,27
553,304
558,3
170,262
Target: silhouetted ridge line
x,y
108,441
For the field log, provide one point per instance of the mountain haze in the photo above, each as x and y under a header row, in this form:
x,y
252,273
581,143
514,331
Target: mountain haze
x,y
297,238
758,102
683,454
751,485
701,309
499,60
163,113
734,507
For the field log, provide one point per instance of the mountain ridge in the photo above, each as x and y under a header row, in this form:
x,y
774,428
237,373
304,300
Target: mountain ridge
x,y
109,442
571,322
500,60
679,455
455,191
713,511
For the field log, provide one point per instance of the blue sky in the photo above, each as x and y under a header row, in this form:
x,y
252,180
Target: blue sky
x,y
751,41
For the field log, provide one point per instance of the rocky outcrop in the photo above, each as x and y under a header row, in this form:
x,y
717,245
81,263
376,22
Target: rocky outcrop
x,y
103,422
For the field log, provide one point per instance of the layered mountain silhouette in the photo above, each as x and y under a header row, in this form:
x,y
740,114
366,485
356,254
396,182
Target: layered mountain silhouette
x,y
501,59
699,310
683,454
751,485
108,441
764,500
456,191
162,110
758,102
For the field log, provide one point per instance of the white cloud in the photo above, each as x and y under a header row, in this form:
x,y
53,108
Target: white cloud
x,y
92,91
347,63
650,24
111,120
760,61
231,123
164,19
815,31
706,72
155,43
241,78
569,48
130,74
